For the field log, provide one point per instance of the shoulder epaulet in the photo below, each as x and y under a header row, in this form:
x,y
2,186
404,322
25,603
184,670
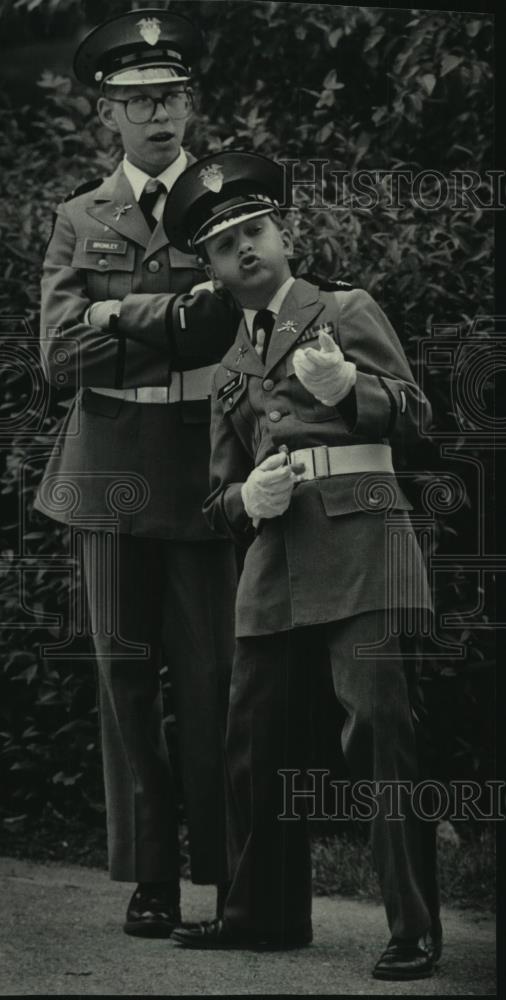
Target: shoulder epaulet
x,y
328,284
83,188
80,189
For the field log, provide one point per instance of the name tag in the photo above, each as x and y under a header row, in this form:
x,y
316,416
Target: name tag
x,y
231,386
105,246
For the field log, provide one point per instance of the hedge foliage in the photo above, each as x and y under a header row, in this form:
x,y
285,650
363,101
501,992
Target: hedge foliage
x,y
364,88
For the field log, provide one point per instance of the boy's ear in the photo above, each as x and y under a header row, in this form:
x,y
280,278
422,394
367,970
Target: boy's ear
x,y
106,114
287,241
217,284
193,99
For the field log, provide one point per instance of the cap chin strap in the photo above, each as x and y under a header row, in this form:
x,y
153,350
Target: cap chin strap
x,y
205,234
146,75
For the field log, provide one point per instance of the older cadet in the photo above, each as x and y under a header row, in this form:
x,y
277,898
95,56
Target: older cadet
x,y
305,405
118,321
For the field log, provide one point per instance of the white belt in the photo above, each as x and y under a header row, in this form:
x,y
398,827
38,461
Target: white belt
x,y
323,462
195,384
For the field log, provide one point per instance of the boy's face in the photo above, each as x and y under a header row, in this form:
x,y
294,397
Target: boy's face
x,y
250,259
153,145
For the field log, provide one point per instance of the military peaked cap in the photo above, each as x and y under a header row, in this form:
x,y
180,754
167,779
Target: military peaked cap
x,y
219,191
143,46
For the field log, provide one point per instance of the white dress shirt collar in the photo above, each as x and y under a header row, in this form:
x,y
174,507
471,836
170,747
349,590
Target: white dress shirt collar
x,y
168,176
274,305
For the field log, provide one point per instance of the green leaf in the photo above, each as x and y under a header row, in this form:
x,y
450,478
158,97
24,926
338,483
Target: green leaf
x,y
428,82
331,82
450,62
375,37
325,132
473,27
334,37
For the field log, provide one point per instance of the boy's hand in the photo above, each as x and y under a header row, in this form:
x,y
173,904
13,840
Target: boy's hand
x,y
268,488
99,313
324,372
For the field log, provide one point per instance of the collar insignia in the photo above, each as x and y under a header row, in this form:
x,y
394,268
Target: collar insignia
x,y
120,210
240,354
289,326
149,29
212,177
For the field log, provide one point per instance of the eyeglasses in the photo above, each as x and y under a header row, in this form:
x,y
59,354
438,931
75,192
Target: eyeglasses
x,y
141,109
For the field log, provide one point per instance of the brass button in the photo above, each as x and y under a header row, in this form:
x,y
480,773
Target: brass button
x,y
274,415
103,263
268,384
154,266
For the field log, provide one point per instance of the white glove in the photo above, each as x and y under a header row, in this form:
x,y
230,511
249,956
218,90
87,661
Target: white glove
x,y
268,488
100,313
324,372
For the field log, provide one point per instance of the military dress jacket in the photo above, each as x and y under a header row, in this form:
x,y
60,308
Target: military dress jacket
x,y
346,544
142,465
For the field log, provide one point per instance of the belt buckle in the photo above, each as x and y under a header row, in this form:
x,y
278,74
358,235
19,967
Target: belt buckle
x,y
151,394
321,462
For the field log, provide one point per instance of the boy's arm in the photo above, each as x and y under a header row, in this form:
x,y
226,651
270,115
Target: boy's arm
x,y
153,334
230,466
385,401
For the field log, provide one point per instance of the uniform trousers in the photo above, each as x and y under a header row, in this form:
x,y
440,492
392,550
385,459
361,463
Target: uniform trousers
x,y
163,602
268,726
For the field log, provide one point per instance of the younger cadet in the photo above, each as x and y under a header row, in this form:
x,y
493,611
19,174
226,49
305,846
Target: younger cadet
x,y
305,405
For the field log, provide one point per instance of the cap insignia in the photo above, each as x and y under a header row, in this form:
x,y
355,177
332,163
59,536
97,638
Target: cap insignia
x,y
150,30
212,177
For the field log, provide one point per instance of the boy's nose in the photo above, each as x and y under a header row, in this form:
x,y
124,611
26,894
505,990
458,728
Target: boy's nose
x,y
160,113
245,245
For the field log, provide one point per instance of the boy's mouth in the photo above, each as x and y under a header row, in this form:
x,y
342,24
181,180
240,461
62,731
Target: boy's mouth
x,y
161,136
249,262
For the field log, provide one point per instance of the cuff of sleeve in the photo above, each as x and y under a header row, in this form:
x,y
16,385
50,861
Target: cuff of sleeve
x,y
233,508
373,404
348,408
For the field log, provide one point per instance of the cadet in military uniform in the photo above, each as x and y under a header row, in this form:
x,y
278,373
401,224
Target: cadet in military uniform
x,y
304,407
119,322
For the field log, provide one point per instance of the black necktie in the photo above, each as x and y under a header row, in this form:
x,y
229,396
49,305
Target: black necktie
x,y
264,320
147,201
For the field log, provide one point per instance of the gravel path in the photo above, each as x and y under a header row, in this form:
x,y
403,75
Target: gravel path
x,y
60,934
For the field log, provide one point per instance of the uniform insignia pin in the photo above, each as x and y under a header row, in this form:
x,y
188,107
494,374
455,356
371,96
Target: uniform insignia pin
x,y
120,210
289,326
149,29
240,354
212,177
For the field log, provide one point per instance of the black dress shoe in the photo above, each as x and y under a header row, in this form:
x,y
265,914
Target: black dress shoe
x,y
219,935
153,911
221,895
413,958
434,941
